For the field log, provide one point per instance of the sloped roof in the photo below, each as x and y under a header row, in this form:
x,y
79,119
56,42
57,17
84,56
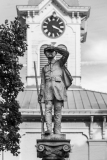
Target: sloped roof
x,y
69,2
84,102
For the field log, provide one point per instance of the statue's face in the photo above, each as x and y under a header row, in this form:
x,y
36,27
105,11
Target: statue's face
x,y
50,54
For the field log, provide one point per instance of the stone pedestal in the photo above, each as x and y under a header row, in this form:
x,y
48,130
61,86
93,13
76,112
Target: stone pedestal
x,y
53,149
53,136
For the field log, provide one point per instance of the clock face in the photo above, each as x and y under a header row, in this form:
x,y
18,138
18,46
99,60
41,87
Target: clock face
x,y
53,27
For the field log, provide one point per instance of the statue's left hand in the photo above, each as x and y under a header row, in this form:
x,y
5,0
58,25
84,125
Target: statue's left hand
x,y
39,98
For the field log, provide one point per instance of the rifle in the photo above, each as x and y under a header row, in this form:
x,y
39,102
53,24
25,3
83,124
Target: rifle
x,y
42,117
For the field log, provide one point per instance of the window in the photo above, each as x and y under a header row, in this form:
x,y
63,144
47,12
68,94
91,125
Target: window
x,y
43,59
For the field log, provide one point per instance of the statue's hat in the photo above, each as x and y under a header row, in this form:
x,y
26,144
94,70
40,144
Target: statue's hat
x,y
49,48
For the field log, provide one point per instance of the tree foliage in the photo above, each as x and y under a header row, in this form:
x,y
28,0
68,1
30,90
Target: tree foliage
x,y
12,46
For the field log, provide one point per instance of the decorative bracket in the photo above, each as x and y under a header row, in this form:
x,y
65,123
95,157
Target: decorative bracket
x,y
91,127
104,127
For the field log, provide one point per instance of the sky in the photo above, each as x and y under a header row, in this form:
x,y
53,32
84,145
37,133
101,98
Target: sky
x,y
94,50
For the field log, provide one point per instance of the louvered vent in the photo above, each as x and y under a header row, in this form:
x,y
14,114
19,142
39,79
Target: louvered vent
x,y
43,59
58,56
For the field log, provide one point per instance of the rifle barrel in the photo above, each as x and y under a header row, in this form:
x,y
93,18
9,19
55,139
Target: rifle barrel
x,y
42,117
36,79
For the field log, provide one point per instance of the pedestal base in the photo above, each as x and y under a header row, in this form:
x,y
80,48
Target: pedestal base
x,y
49,149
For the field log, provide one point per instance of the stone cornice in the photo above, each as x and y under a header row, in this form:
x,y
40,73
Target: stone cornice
x,y
96,141
83,11
68,112
82,115
70,9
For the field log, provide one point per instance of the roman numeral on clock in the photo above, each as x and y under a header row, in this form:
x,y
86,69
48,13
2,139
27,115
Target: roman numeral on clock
x,y
61,26
45,30
49,33
44,26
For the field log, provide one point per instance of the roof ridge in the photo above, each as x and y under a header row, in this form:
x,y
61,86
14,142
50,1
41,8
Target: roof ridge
x,y
95,91
64,2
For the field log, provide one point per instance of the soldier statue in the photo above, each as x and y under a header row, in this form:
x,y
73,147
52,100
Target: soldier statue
x,y
55,80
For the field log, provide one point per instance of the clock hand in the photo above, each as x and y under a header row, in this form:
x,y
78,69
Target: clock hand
x,y
57,28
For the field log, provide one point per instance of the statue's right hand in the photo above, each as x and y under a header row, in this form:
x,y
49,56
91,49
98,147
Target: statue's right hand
x,y
39,98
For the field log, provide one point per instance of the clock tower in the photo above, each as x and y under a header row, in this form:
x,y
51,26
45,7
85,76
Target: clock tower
x,y
54,22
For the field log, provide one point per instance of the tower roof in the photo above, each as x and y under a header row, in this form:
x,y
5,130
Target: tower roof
x,y
69,2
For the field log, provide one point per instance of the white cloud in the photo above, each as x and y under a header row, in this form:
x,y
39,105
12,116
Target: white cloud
x,y
95,51
96,84
94,76
93,62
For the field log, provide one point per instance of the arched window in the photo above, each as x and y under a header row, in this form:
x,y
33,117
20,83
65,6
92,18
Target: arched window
x,y
43,59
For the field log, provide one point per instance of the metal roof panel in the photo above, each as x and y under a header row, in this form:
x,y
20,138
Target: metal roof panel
x,y
71,103
104,96
27,99
92,99
100,100
85,99
78,100
33,103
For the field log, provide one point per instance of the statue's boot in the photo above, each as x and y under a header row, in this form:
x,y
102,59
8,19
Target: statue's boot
x,y
48,132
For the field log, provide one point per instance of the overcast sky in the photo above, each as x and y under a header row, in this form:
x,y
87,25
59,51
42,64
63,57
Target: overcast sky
x,y
94,50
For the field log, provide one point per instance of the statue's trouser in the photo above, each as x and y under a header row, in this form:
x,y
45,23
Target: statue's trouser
x,y
57,115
